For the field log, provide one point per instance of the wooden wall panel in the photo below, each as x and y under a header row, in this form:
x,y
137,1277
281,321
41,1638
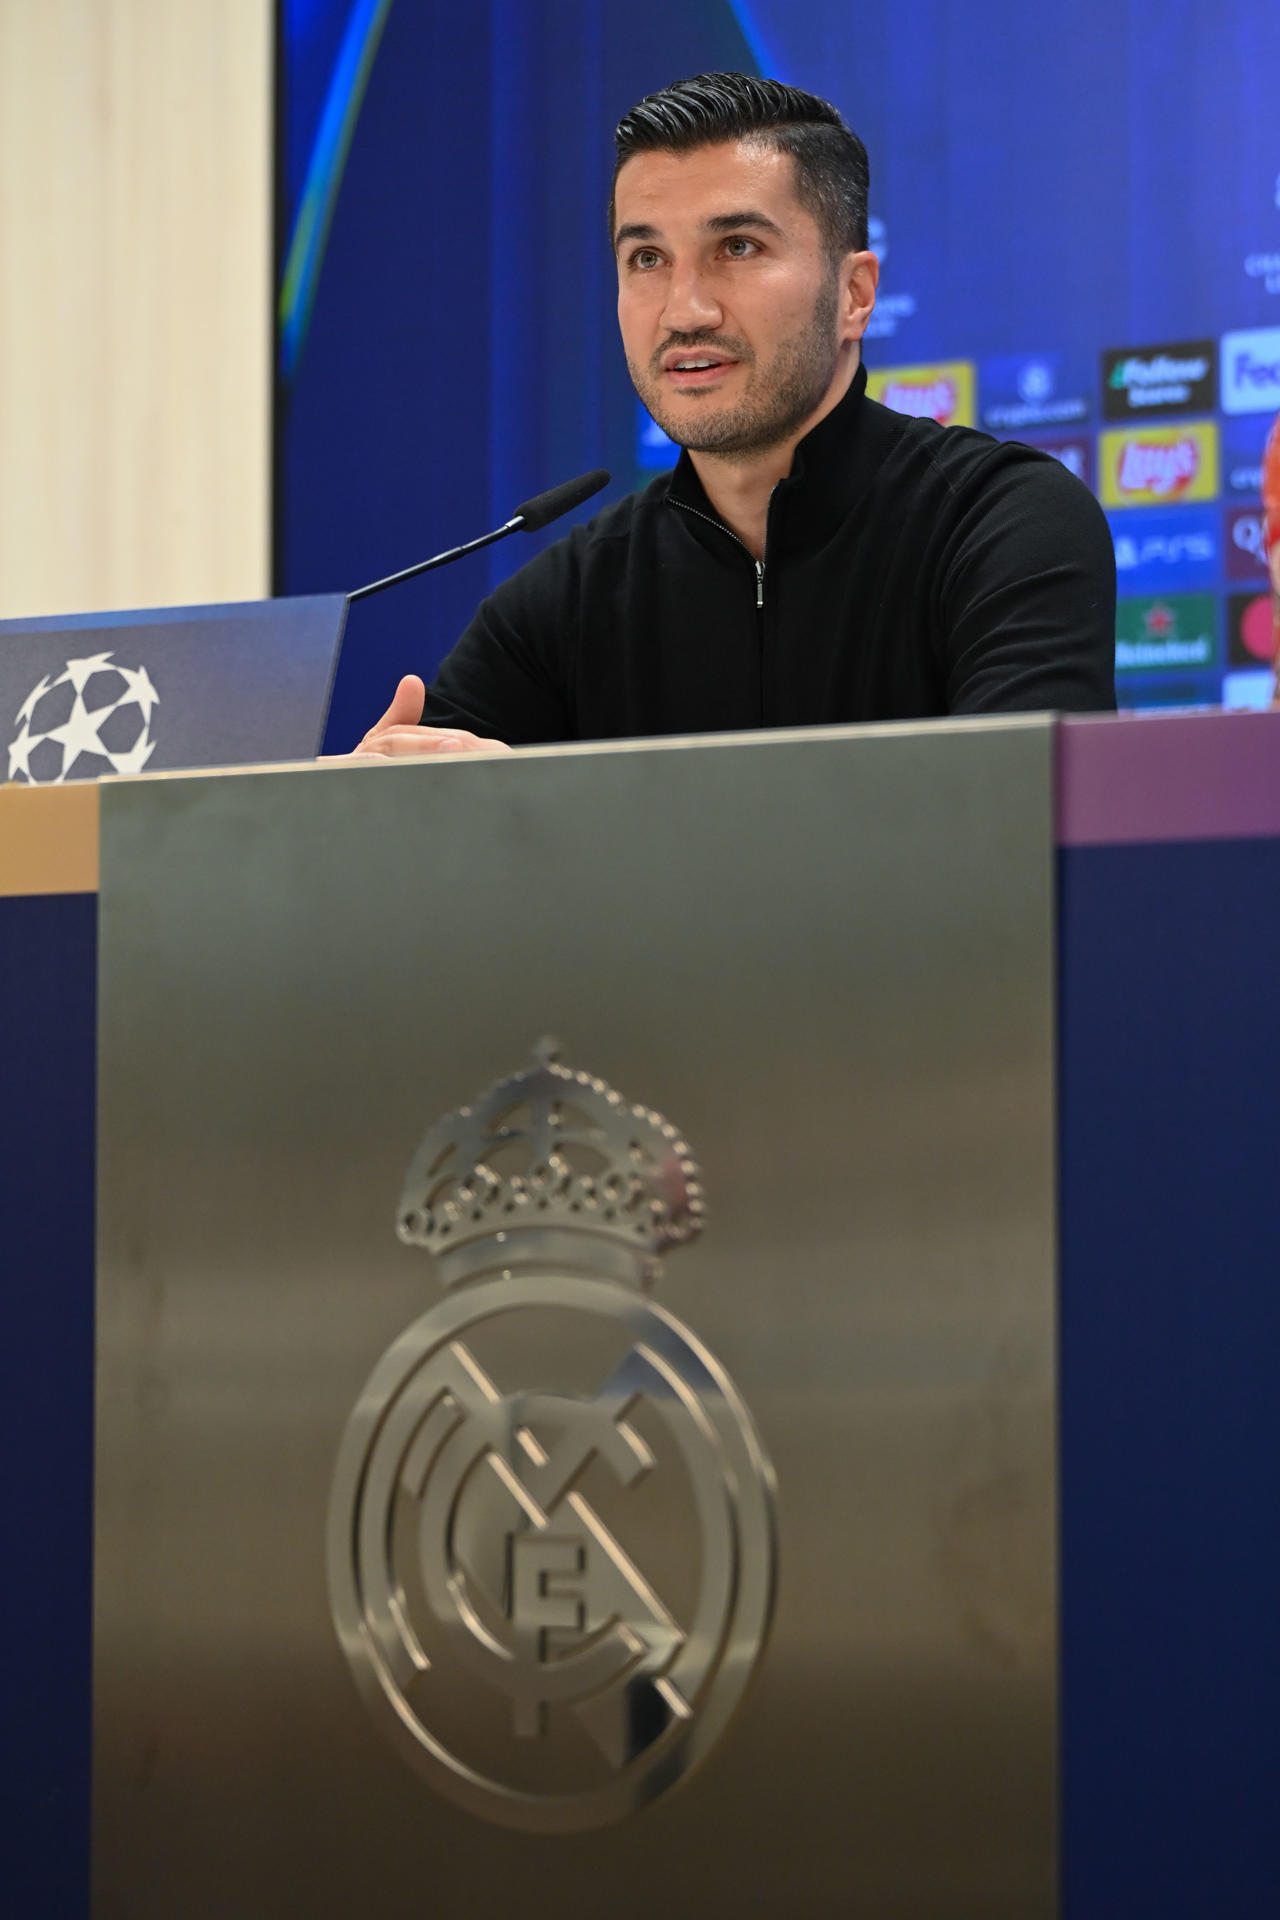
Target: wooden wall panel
x,y
135,302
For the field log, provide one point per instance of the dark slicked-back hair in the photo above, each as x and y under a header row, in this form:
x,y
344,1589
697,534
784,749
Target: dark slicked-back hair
x,y
831,162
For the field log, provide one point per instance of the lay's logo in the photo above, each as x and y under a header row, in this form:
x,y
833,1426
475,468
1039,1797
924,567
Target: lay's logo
x,y
942,392
1154,466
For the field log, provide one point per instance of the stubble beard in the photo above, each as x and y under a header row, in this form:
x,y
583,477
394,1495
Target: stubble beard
x,y
798,377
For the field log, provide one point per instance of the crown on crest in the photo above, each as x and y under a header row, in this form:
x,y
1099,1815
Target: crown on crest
x,y
548,1152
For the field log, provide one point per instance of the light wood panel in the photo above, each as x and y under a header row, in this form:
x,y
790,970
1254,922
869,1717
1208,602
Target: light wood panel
x,y
135,302
49,839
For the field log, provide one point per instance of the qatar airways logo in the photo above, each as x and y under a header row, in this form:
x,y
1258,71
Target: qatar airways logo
x,y
1160,465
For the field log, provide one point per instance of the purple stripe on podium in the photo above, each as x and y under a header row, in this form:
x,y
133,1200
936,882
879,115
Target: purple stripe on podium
x,y
1124,779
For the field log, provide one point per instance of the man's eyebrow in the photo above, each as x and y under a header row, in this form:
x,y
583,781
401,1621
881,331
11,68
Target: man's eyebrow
x,y
634,232
717,223
730,222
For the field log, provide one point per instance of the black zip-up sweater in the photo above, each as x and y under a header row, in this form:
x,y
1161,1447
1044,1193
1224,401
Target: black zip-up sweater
x,y
910,570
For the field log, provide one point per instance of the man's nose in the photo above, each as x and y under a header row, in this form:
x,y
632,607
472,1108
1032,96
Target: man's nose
x,y
691,304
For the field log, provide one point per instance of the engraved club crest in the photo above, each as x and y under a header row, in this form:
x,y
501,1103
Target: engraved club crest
x,y
551,1535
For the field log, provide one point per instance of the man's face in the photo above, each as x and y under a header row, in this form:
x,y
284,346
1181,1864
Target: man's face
x,y
732,314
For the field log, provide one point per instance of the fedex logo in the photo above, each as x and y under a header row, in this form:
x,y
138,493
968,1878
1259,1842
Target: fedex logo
x,y
1158,465
1251,371
943,393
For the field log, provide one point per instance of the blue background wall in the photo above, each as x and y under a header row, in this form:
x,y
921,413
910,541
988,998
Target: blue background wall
x,y
1046,185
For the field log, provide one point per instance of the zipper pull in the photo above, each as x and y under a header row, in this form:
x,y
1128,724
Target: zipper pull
x,y
759,583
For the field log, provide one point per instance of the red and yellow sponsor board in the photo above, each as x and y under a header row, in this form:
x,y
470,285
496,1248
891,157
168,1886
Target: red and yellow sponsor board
x,y
942,391
1142,466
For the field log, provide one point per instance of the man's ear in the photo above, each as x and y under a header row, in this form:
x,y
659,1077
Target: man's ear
x,y
859,276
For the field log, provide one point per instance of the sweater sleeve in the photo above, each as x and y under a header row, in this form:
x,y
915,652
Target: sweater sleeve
x,y
1028,594
508,677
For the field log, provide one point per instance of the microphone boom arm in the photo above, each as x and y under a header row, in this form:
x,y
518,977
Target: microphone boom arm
x,y
533,515
438,560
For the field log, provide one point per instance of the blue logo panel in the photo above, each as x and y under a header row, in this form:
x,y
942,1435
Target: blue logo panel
x,y
1243,438
1027,392
1166,550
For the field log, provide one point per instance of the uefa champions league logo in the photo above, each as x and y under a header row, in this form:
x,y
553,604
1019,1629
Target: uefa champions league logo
x,y
551,1532
94,718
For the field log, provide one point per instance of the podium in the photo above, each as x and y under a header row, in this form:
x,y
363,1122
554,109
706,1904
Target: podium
x,y
680,1327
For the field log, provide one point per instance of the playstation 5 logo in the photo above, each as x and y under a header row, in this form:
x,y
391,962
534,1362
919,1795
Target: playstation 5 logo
x,y
1177,550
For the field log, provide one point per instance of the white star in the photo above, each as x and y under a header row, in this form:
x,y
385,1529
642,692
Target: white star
x,y
139,684
78,671
78,735
136,758
28,706
20,749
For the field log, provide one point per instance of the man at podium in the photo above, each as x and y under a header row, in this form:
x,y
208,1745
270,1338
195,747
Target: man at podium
x,y
814,558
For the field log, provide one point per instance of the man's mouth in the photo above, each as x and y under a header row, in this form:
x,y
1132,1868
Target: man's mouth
x,y
696,369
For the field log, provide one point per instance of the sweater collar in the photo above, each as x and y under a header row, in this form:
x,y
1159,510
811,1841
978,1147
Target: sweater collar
x,y
830,471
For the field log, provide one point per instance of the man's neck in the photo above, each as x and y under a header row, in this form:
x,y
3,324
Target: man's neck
x,y
739,488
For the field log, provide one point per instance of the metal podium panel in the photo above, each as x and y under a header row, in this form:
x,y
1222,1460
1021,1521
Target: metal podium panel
x,y
613,1480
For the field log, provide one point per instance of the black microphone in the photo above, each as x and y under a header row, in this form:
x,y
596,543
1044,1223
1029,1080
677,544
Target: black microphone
x,y
535,513
548,506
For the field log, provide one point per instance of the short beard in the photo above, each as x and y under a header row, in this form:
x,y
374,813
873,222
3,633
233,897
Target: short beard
x,y
799,376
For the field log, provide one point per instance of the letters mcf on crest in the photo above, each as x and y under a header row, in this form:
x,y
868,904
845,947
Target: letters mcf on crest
x,y
551,1586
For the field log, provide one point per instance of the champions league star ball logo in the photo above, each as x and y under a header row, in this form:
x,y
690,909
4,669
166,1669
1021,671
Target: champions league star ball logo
x,y
94,718
551,1533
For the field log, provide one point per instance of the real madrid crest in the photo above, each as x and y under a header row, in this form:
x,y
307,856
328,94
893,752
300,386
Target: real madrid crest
x,y
551,1534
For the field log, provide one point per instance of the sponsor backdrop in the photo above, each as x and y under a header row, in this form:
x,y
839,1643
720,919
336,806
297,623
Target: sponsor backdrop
x,y
1079,240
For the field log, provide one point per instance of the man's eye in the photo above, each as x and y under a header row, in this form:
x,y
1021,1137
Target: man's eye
x,y
644,258
738,247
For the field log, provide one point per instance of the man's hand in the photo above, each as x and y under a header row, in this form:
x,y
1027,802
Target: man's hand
x,y
398,732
